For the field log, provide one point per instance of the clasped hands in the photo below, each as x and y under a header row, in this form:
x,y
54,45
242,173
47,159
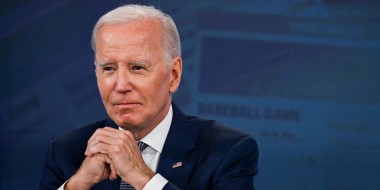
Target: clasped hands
x,y
111,153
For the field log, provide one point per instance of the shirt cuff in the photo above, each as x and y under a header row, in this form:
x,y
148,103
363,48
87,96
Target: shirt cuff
x,y
157,182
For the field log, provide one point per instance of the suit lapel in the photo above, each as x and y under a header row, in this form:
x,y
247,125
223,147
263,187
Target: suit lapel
x,y
177,150
110,123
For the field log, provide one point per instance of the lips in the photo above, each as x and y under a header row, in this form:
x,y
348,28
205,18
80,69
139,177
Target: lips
x,y
125,105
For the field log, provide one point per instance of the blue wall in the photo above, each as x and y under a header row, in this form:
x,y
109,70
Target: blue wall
x,y
301,76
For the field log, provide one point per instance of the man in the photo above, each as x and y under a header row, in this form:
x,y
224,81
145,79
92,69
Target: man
x,y
138,68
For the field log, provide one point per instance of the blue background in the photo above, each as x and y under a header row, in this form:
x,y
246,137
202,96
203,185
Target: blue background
x,y
301,76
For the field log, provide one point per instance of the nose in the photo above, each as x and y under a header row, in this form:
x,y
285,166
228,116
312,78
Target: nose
x,y
123,81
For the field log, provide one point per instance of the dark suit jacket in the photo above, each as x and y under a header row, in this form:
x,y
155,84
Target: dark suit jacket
x,y
213,156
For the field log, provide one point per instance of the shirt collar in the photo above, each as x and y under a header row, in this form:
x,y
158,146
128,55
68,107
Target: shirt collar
x,y
156,138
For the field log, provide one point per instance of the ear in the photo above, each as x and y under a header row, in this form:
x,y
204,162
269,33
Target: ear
x,y
175,74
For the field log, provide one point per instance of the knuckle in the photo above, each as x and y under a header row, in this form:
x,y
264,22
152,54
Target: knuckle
x,y
117,150
98,130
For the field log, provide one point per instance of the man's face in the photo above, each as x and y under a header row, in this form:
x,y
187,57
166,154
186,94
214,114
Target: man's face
x,y
134,80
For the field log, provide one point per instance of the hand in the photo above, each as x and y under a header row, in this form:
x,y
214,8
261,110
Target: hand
x,y
125,156
93,170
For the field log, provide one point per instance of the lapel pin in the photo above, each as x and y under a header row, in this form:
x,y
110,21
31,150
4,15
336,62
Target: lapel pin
x,y
177,165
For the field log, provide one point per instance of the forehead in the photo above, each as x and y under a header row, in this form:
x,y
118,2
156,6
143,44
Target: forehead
x,y
149,29
130,41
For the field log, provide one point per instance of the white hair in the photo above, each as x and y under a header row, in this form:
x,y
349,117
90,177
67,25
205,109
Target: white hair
x,y
131,13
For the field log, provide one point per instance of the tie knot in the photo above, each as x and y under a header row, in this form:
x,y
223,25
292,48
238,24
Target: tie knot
x,y
142,145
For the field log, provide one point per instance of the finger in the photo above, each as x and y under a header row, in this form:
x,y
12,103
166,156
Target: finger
x,y
110,129
112,142
102,139
100,148
123,134
113,172
101,132
119,147
111,133
110,171
106,135
119,132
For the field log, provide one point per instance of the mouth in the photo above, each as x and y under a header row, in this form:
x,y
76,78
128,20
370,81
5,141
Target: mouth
x,y
125,105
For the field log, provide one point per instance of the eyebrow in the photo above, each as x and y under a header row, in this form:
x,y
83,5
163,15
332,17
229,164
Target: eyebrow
x,y
103,63
137,62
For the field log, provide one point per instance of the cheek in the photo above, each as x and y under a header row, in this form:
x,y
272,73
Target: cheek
x,y
162,86
104,89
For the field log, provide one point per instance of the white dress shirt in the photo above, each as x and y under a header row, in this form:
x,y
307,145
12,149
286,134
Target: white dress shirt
x,y
151,155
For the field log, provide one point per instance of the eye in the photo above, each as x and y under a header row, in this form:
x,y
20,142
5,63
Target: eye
x,y
137,67
107,69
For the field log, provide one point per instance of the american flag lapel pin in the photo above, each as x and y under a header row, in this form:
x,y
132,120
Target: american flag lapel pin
x,y
177,165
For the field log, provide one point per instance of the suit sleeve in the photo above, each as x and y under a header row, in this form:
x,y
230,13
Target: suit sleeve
x,y
238,168
170,186
52,177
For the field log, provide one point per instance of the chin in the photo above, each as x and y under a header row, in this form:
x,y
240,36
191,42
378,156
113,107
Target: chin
x,y
125,123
